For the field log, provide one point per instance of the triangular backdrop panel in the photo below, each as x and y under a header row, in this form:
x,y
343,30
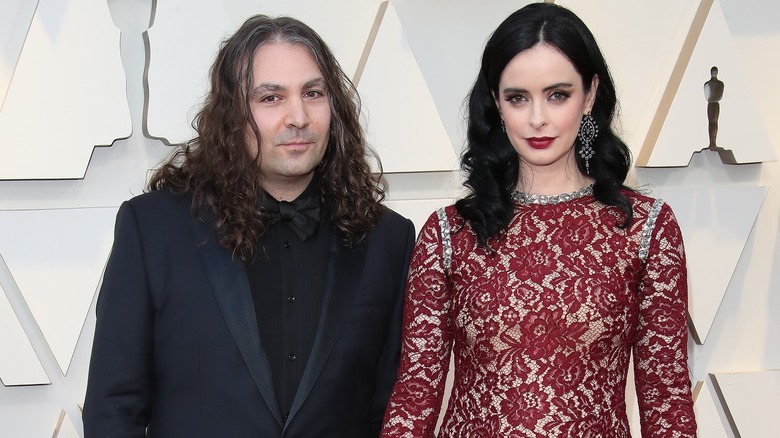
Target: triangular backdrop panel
x,y
32,413
752,400
67,94
715,224
18,363
402,123
708,420
740,127
178,68
65,427
57,266
447,38
641,49
14,24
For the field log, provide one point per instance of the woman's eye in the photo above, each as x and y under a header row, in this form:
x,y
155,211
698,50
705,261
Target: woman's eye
x,y
517,98
559,96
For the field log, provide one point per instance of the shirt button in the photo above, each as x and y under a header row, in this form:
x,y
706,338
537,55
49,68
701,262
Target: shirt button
x,y
287,244
292,357
291,299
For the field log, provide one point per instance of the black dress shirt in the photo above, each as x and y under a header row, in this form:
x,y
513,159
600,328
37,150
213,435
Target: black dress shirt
x,y
287,280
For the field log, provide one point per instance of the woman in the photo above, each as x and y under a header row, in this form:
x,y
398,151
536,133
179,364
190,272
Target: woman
x,y
550,272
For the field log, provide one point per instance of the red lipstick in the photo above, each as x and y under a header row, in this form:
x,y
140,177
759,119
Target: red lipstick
x,y
539,142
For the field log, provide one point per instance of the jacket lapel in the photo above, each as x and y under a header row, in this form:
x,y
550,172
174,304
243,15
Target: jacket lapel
x,y
231,288
345,267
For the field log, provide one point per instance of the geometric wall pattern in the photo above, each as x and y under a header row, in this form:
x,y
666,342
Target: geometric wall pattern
x,y
54,247
69,87
57,268
14,23
20,366
740,129
702,214
410,128
747,397
707,409
65,427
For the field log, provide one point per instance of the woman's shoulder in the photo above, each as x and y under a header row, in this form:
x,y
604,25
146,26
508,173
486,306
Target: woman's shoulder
x,y
638,198
648,210
446,215
447,233
644,204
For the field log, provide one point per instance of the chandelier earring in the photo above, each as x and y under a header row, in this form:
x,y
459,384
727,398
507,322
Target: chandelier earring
x,y
588,132
503,126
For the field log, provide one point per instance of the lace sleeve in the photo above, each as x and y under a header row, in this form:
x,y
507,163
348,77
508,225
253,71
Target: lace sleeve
x,y
660,348
426,339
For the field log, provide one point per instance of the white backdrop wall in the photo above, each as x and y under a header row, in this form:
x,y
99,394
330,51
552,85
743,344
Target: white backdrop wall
x,y
82,119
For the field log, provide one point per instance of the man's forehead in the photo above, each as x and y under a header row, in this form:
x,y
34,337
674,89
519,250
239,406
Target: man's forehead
x,y
280,51
285,64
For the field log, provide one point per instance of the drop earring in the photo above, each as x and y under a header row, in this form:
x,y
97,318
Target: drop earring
x,y
588,132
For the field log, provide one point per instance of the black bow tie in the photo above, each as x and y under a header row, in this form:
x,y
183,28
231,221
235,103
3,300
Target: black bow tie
x,y
303,215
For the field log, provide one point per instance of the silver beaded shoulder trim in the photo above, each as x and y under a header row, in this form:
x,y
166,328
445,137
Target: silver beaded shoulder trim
x,y
647,229
446,241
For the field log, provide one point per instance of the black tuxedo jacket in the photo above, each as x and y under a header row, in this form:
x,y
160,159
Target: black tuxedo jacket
x,y
177,351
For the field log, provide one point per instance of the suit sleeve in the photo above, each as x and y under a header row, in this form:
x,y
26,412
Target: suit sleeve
x,y
388,362
660,349
121,372
426,342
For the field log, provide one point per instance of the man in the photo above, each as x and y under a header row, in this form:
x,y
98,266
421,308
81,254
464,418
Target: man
x,y
256,290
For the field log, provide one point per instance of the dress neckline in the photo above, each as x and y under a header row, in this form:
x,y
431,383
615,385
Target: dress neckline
x,y
525,198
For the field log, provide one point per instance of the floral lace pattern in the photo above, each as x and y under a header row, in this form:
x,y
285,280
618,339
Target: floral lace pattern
x,y
542,327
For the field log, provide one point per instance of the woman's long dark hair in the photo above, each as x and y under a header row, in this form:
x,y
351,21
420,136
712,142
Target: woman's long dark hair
x,y
491,163
223,176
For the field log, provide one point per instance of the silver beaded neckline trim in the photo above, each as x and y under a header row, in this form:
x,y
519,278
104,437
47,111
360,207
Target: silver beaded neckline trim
x,y
525,198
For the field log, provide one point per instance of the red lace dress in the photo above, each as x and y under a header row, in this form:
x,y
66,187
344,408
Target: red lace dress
x,y
543,327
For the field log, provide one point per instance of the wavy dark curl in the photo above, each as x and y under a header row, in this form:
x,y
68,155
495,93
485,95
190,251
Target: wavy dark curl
x,y
223,177
490,162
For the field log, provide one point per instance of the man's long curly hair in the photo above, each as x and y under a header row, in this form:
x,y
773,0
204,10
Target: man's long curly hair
x,y
217,168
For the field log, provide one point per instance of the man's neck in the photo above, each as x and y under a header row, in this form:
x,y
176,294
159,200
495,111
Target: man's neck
x,y
287,190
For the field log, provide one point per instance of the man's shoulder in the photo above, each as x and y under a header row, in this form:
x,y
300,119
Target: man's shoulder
x,y
390,219
159,206
160,199
391,230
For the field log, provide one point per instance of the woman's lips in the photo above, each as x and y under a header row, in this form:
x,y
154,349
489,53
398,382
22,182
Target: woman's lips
x,y
539,142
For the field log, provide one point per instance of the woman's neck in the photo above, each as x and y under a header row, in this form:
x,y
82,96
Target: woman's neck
x,y
551,180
